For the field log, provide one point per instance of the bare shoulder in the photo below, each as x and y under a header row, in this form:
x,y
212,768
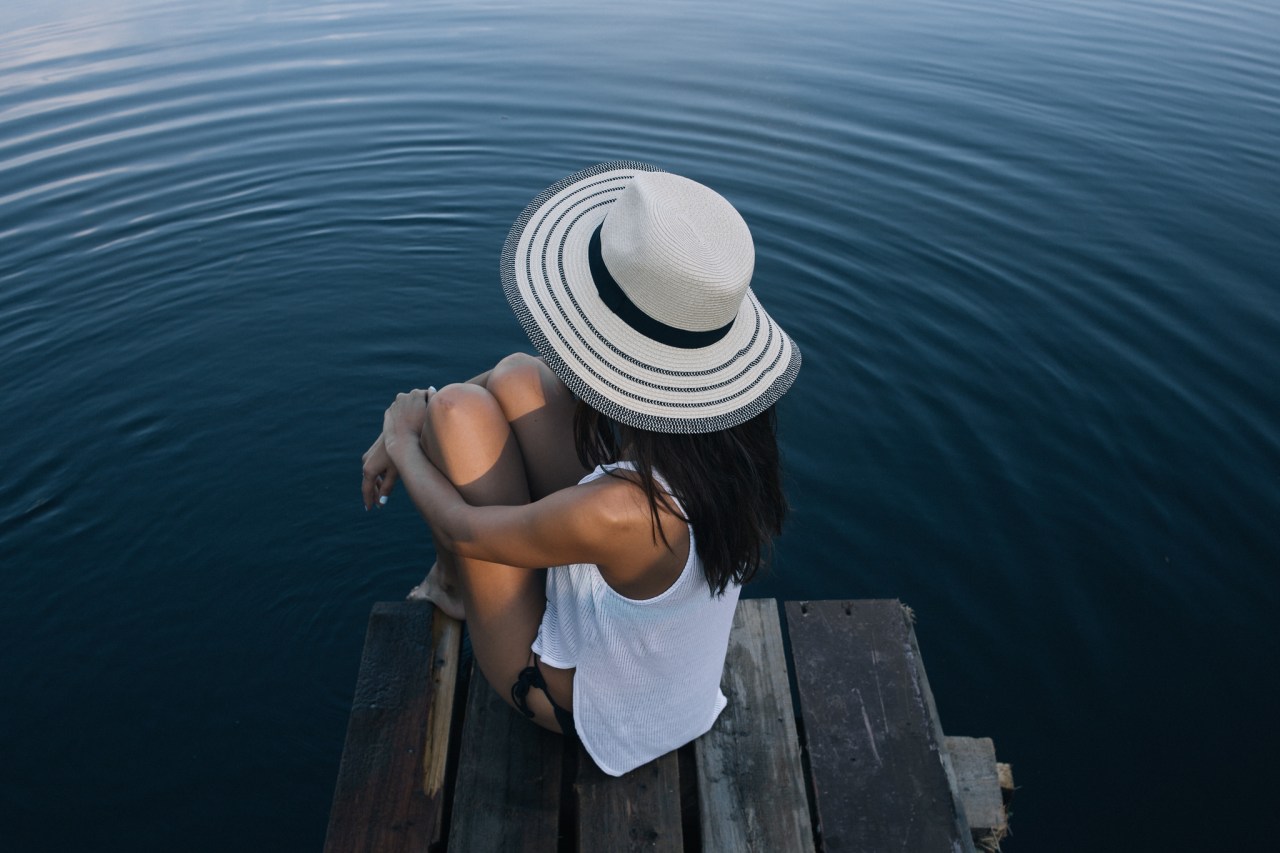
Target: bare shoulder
x,y
615,508
615,503
633,559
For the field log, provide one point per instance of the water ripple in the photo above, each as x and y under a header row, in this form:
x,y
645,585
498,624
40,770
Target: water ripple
x,y
1028,249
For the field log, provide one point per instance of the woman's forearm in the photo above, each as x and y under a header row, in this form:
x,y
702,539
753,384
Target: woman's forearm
x,y
429,489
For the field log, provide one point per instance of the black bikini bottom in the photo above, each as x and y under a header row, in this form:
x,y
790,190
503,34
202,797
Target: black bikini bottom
x,y
530,677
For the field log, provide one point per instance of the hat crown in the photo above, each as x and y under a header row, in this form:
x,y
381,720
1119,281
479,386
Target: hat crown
x,y
634,286
679,251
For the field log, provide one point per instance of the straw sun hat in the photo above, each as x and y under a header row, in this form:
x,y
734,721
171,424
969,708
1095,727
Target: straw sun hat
x,y
633,285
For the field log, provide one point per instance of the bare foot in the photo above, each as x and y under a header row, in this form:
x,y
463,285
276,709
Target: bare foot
x,y
440,592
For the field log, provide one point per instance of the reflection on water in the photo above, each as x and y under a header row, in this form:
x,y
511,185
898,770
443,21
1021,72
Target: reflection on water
x,y
1028,250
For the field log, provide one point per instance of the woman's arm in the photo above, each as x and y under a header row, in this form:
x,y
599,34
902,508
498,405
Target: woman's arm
x,y
380,472
592,523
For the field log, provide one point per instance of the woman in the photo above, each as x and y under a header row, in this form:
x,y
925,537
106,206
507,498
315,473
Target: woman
x,y
637,457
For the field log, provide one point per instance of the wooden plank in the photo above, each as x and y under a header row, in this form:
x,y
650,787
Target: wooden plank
x,y
446,643
935,722
977,783
507,794
1004,772
874,747
637,811
751,793
379,802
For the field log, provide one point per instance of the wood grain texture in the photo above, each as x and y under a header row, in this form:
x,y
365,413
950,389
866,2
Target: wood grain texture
x,y
507,794
639,811
751,793
974,761
873,740
1004,772
446,643
379,802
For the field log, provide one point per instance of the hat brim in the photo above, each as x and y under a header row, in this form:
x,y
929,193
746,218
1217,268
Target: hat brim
x,y
613,368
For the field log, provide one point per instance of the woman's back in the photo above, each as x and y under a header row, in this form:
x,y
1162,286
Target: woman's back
x,y
647,672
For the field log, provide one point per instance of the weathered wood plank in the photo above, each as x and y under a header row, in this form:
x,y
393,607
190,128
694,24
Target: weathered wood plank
x,y
507,794
751,793
637,811
1004,772
379,802
875,751
977,783
935,721
446,643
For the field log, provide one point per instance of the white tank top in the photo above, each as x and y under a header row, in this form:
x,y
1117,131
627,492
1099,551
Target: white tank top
x,y
648,672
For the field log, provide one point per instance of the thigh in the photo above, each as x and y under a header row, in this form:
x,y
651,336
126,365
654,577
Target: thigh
x,y
468,438
540,410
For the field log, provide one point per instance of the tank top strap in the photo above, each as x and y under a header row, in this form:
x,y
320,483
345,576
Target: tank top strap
x,y
603,470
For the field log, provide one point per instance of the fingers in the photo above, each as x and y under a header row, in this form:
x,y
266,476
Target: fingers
x,y
377,490
416,397
379,475
378,445
373,462
387,483
368,489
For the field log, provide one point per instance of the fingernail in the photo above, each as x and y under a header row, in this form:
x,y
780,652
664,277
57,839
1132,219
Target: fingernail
x,y
431,388
383,500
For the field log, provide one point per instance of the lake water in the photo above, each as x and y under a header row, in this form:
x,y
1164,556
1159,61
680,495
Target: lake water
x,y
1029,250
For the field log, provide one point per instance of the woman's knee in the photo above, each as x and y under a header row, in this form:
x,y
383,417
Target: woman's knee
x,y
459,406
517,360
458,399
522,383
468,438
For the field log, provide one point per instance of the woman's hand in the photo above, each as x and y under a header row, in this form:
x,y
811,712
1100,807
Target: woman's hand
x,y
403,421
379,472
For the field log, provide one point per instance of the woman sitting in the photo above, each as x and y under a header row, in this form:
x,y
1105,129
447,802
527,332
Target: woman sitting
x,y
637,458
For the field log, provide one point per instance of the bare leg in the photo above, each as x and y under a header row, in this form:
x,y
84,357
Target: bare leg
x,y
467,436
539,409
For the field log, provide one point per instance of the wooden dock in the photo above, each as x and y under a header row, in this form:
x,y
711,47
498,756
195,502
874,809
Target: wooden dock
x,y
833,746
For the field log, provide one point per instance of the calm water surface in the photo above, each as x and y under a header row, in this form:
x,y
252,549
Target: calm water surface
x,y
1029,249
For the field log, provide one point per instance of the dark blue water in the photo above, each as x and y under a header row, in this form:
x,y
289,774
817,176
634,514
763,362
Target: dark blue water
x,y
1029,249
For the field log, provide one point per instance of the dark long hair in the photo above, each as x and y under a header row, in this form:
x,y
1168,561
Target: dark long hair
x,y
729,483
